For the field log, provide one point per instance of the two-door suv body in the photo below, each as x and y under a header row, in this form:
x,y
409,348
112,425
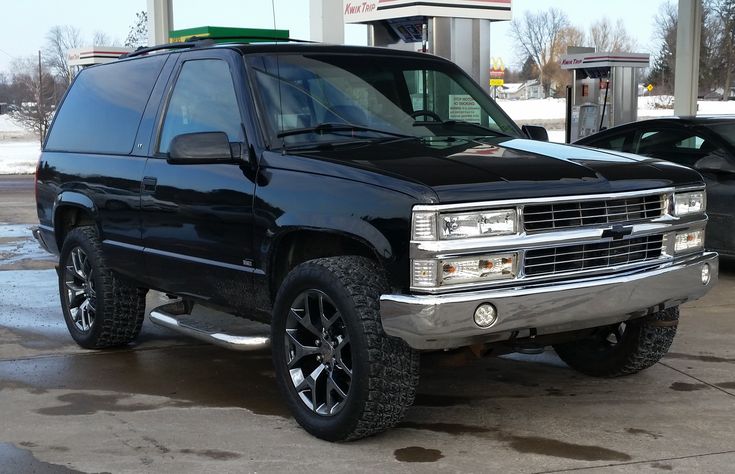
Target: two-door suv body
x,y
368,204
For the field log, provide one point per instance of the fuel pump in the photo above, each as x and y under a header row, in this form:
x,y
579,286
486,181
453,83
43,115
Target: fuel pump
x,y
604,91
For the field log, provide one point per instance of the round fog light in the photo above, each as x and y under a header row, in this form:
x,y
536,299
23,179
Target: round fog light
x,y
705,273
485,315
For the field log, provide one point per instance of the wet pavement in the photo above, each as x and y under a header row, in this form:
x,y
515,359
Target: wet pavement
x,y
172,404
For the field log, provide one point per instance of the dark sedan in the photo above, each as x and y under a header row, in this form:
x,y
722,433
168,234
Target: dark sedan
x,y
706,144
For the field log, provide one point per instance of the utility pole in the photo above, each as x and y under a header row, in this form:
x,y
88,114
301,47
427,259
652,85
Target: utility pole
x,y
39,101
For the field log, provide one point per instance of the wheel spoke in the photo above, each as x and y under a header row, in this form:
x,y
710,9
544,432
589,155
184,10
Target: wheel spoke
x,y
76,261
298,350
320,371
312,380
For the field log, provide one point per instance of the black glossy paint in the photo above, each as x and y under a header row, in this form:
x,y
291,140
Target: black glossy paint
x,y
215,231
720,234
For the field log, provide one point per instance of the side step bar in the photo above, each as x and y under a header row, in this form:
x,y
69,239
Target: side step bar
x,y
214,327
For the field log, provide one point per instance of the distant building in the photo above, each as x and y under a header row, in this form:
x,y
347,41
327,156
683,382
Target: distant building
x,y
521,90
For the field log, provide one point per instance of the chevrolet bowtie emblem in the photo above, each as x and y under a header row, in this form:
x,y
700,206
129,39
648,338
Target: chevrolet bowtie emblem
x,y
617,232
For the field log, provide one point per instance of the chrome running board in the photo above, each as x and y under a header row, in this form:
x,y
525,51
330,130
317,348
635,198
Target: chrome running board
x,y
211,326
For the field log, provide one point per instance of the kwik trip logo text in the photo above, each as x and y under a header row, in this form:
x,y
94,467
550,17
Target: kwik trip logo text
x,y
357,8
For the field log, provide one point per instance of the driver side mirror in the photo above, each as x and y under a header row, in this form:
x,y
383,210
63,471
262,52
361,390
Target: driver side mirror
x,y
203,147
715,163
535,132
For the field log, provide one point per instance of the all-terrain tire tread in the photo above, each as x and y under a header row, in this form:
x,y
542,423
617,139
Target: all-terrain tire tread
x,y
123,309
393,365
649,342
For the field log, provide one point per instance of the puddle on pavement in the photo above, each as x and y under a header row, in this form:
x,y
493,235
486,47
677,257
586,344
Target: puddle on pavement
x,y
525,444
687,387
417,454
701,357
213,454
639,431
15,459
561,449
89,404
196,375
662,466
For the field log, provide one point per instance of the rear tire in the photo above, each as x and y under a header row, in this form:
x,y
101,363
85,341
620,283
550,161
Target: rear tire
x,y
342,377
100,310
624,348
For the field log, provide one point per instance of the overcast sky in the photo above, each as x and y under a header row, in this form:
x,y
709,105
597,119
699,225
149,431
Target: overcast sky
x,y
25,23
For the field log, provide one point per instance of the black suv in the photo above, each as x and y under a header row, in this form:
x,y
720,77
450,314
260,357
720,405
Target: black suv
x,y
368,204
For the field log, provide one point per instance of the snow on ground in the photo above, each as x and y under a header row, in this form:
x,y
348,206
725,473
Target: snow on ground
x,y
8,126
551,109
17,246
19,156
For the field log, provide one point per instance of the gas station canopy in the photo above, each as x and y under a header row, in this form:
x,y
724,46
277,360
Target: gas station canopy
x,y
250,35
95,55
365,11
600,60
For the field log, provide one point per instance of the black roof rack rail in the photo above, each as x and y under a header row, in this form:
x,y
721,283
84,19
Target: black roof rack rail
x,y
253,38
202,41
149,49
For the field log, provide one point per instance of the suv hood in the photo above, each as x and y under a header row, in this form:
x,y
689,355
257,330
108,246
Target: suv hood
x,y
461,170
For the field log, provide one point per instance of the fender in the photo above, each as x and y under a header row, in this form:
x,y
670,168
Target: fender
x,y
345,226
73,199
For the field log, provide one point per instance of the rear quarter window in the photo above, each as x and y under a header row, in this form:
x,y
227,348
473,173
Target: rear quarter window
x,y
103,108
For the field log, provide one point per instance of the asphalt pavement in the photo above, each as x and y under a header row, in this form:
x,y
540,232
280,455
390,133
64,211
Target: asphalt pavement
x,y
172,404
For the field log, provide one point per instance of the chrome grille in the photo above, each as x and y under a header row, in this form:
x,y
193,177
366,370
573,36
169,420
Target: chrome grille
x,y
572,258
540,217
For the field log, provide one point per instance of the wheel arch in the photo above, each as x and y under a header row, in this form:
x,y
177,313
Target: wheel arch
x,y
299,245
72,209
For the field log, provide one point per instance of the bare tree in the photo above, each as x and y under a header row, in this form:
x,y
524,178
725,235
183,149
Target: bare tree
x,y
101,38
59,40
723,24
664,62
538,36
34,115
138,34
605,36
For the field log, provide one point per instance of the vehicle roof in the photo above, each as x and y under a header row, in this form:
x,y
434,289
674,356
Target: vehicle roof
x,y
688,119
295,47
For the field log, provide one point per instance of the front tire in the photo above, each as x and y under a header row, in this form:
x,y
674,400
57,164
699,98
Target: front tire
x,y
342,377
100,310
624,348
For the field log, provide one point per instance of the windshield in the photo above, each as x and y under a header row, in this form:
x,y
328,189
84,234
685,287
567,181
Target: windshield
x,y
310,98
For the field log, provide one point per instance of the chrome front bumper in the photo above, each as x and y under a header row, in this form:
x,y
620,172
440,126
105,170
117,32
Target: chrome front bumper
x,y
446,321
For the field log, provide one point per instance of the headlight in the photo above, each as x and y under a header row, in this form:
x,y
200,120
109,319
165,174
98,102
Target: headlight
x,y
463,225
689,241
451,271
694,202
483,268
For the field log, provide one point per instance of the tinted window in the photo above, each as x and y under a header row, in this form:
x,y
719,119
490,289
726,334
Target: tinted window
x,y
615,142
680,145
104,106
203,100
726,131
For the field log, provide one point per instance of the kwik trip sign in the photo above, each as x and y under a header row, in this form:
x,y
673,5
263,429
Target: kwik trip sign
x,y
365,11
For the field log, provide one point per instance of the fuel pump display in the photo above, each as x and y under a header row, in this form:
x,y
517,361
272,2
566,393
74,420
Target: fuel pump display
x,y
604,91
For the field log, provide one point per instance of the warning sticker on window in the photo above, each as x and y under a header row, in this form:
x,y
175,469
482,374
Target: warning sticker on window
x,y
463,107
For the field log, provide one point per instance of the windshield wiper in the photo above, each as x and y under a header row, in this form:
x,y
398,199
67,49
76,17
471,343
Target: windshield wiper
x,y
329,127
452,123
